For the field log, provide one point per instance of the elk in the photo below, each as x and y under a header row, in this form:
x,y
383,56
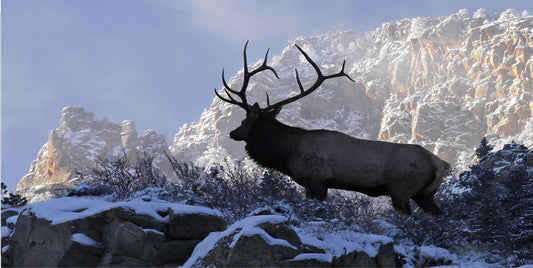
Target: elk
x,y
321,159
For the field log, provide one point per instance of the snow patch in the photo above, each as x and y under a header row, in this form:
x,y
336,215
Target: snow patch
x,y
313,256
341,242
84,240
6,232
72,208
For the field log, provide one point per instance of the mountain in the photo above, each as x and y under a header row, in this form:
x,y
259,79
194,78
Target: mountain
x,y
78,142
443,83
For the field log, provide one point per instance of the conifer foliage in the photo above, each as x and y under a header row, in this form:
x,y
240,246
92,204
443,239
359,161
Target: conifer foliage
x,y
10,199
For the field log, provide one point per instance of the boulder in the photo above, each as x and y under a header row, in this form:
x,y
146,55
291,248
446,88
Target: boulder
x,y
6,214
193,226
126,234
255,251
355,259
36,242
269,240
265,240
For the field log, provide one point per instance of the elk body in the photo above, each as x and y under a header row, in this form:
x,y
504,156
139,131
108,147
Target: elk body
x,y
322,159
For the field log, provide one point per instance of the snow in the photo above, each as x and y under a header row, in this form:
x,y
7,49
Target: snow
x,y
84,240
313,256
251,231
6,232
153,231
72,208
12,220
246,226
434,252
418,255
337,243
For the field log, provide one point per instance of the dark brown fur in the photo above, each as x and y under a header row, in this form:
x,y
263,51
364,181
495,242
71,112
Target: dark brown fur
x,y
322,159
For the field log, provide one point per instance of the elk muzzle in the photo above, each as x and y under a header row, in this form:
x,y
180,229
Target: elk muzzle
x,y
236,134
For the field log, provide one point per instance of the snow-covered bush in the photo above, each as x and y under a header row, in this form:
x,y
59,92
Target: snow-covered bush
x,y
11,199
90,189
237,191
120,175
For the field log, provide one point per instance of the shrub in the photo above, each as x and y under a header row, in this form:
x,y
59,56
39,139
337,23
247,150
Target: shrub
x,y
10,199
120,175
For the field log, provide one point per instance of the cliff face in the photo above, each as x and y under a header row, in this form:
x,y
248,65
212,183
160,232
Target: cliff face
x,y
443,83
77,143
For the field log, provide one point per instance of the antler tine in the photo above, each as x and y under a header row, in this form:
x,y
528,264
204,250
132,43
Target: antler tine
x,y
320,79
231,100
226,84
345,74
247,75
264,66
317,69
245,58
298,80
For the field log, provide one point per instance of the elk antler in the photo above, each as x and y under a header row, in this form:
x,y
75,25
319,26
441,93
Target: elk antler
x,y
320,79
247,75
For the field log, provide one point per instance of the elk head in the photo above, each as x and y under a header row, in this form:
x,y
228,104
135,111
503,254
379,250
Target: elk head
x,y
254,112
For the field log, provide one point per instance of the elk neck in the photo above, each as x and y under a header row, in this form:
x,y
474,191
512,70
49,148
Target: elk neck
x,y
271,142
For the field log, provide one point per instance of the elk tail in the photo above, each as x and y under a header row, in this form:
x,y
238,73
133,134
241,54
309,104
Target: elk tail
x,y
440,167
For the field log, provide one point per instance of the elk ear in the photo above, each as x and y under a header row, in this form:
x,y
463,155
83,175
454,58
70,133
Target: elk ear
x,y
255,108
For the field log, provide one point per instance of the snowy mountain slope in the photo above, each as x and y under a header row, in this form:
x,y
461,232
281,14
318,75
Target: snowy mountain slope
x,y
443,83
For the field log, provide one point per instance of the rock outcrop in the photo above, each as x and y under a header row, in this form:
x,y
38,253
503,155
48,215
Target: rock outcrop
x,y
443,83
144,232
77,143
270,241
99,233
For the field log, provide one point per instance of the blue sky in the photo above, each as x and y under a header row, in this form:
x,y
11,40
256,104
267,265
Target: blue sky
x,y
155,61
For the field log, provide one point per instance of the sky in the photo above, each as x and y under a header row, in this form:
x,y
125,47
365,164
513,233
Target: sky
x,y
156,61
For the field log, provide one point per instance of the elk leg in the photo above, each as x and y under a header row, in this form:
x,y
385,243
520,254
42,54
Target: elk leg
x,y
401,204
427,203
317,190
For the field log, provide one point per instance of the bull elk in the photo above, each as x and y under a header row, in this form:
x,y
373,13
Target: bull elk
x,y
321,159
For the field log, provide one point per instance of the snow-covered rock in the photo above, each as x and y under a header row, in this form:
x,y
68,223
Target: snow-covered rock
x,y
93,232
269,240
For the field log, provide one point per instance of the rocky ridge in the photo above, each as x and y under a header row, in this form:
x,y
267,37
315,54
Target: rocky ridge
x,y
77,232
82,231
77,143
443,83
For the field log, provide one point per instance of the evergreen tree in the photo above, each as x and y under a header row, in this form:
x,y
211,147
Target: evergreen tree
x,y
483,150
14,200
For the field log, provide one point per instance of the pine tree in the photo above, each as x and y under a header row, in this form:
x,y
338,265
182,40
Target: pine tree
x,y
14,200
483,150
